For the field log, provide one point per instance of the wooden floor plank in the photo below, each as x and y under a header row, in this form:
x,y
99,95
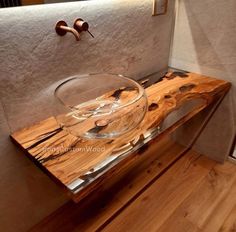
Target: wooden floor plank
x,y
222,211
230,223
178,223
159,201
83,217
208,204
194,195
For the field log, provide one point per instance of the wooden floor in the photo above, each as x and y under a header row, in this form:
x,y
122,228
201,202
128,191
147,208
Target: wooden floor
x,y
175,193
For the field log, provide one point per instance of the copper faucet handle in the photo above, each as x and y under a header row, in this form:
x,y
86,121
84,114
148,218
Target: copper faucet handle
x,y
80,25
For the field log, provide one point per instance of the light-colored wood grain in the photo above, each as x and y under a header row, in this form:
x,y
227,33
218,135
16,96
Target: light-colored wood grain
x,y
155,160
207,206
222,208
151,209
230,222
178,224
38,132
194,195
66,157
116,193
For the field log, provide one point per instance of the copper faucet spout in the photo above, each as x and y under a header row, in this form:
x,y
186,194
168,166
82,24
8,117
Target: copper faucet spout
x,y
71,30
62,29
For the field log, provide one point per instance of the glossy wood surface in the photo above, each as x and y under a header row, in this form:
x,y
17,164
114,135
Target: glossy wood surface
x,y
194,194
81,171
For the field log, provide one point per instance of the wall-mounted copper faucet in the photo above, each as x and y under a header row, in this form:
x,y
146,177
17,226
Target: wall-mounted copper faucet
x,y
79,26
62,28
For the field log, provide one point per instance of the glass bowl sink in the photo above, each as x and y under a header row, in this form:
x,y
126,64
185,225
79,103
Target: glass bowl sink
x,y
99,105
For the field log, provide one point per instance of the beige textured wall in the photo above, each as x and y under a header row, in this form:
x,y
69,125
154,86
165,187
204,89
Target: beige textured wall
x,y
32,58
205,42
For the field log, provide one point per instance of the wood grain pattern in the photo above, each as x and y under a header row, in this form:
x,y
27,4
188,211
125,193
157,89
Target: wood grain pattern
x,y
208,206
195,194
209,203
157,203
95,210
230,222
70,159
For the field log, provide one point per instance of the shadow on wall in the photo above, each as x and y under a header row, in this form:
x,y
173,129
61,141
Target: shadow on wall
x,y
213,38
204,42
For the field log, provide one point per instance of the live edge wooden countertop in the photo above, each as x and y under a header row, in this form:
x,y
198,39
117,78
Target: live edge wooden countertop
x,y
82,165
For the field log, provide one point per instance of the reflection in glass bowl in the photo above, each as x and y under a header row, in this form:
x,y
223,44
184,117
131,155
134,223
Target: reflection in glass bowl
x,y
99,105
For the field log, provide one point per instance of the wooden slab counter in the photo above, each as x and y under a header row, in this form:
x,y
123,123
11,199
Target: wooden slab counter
x,y
82,166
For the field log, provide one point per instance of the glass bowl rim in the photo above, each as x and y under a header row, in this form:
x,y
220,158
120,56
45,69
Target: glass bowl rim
x,y
141,90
